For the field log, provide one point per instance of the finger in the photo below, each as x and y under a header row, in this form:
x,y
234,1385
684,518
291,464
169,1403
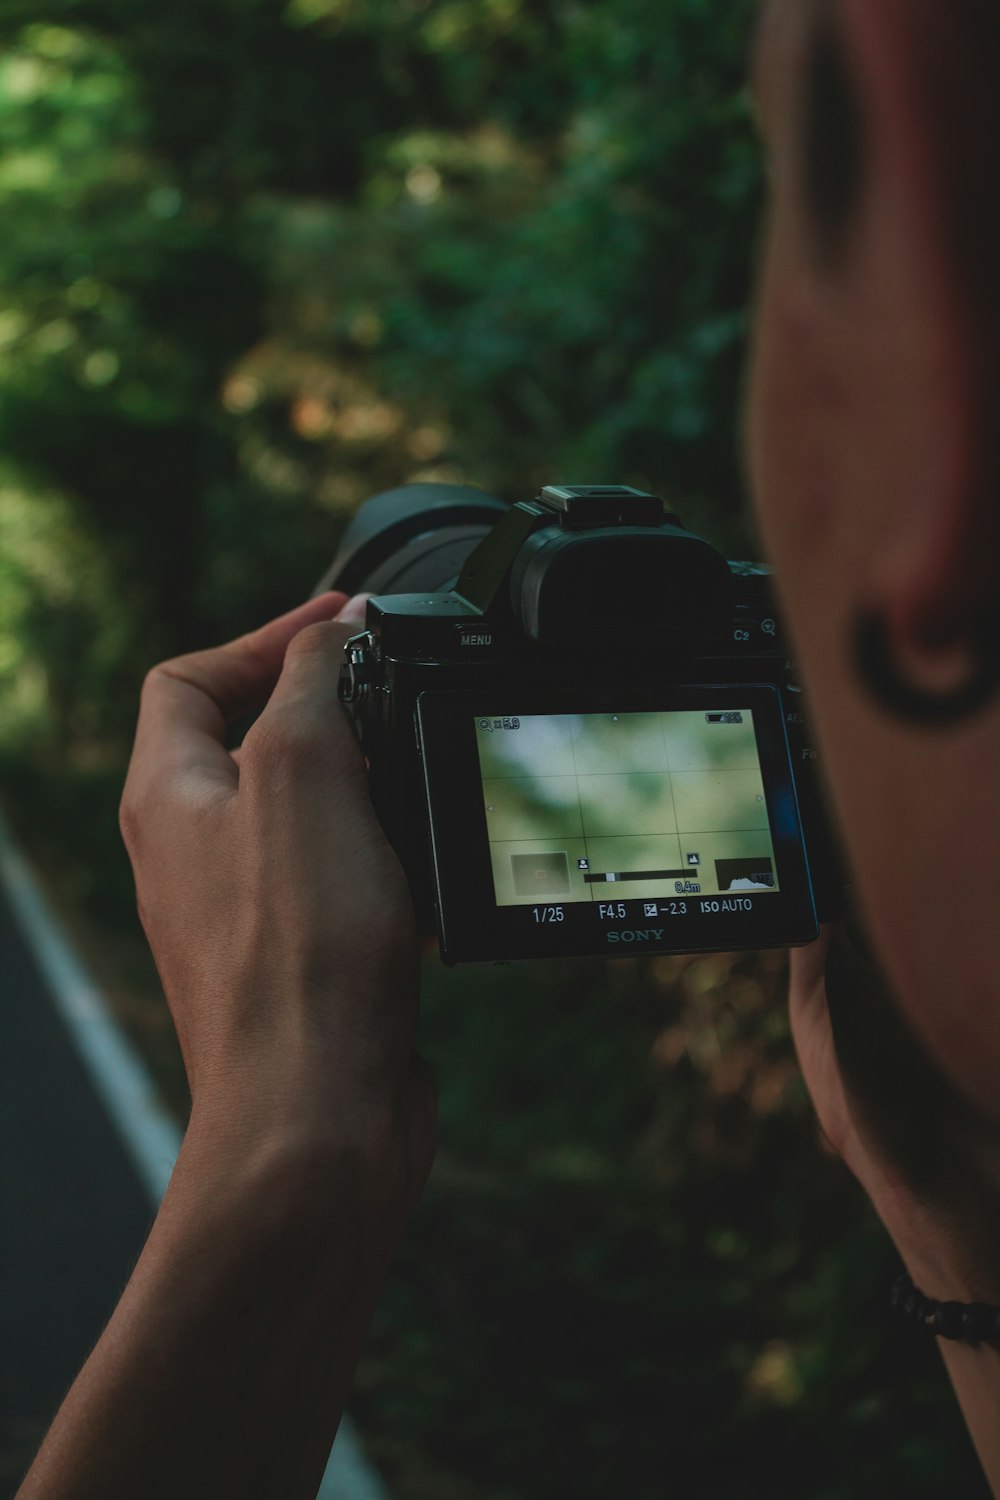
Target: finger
x,y
310,672
808,965
305,731
188,701
808,1010
304,713
813,1036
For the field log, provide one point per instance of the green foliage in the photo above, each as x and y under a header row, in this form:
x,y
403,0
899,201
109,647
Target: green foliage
x,y
263,259
260,259
632,1271
56,589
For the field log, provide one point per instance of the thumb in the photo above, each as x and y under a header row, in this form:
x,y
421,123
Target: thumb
x,y
812,1032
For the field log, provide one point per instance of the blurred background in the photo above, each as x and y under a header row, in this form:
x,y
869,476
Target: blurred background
x,y
259,260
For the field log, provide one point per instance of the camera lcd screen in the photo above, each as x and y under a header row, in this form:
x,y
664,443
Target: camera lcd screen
x,y
646,806
634,821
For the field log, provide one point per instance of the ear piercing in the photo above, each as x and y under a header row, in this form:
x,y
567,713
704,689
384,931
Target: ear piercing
x,y
906,700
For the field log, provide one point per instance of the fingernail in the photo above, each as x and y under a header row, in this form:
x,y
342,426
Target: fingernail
x,y
355,609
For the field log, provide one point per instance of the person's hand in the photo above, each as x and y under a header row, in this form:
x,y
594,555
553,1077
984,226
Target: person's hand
x,y
282,927
278,915
926,1158
812,1031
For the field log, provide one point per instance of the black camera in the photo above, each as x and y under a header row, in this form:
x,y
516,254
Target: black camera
x,y
583,730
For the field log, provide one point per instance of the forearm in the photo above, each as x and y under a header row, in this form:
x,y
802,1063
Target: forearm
x,y
225,1367
949,1274
952,1253
975,1376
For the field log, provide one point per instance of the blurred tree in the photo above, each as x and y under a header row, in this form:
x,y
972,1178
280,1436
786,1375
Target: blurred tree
x,y
260,259
263,258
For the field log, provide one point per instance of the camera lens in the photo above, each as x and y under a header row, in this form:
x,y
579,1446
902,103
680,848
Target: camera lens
x,y
412,539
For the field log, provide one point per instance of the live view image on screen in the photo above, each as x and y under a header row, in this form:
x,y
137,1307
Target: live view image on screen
x,y
595,807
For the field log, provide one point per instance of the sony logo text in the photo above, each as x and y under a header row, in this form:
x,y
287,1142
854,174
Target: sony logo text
x,y
649,935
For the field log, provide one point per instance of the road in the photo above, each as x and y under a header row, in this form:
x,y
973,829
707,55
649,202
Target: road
x,y
73,1212
86,1150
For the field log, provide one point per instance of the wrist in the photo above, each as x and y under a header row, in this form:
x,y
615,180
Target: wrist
x,y
286,1178
318,1146
951,1251
237,1336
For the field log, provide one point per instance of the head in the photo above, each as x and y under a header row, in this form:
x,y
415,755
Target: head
x,y
875,459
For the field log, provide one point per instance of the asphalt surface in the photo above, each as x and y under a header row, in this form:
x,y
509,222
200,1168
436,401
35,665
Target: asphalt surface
x,y
73,1213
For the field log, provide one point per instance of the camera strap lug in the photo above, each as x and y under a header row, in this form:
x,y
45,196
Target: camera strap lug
x,y
355,674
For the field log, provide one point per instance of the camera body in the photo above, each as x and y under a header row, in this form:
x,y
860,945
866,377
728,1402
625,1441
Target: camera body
x,y
587,735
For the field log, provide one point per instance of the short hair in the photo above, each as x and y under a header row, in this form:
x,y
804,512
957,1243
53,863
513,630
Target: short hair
x,y
832,140
960,68
957,61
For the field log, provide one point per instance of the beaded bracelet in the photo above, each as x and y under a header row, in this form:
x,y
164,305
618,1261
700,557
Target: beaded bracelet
x,y
966,1322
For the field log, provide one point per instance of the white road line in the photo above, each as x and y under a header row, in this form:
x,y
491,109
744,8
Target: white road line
x,y
149,1133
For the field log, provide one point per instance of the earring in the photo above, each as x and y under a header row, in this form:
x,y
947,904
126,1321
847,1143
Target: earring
x,y
904,700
